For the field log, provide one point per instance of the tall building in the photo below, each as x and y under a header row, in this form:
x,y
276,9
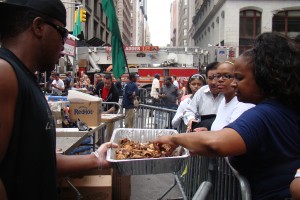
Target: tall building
x,y
139,25
174,23
96,25
124,13
183,23
234,24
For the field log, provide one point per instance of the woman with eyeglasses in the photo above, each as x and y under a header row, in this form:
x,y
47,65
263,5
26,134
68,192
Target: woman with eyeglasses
x,y
194,83
263,142
230,108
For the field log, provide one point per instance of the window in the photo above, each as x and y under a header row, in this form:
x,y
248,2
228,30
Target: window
x,y
250,27
287,23
185,11
185,22
185,43
185,32
250,22
185,2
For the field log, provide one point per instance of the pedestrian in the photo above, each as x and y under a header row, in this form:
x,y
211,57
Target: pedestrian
x,y
155,88
68,82
130,94
57,84
263,143
109,93
203,108
169,94
175,82
32,39
119,86
195,82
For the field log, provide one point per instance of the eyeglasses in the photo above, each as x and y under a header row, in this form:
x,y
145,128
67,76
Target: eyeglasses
x,y
224,76
62,31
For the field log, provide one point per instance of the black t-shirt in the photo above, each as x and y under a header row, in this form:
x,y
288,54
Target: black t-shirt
x,y
28,169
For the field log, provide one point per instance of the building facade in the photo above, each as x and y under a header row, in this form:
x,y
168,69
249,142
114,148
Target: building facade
x,y
96,24
235,23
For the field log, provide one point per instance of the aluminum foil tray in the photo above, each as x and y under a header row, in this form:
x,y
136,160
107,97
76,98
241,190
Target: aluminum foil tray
x,y
146,165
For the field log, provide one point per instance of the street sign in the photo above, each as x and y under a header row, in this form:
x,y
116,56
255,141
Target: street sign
x,y
69,47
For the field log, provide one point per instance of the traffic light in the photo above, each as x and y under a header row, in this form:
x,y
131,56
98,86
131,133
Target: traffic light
x,y
82,15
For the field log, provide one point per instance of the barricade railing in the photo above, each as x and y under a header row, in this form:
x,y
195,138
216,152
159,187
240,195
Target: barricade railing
x,y
200,177
117,105
153,117
143,95
119,111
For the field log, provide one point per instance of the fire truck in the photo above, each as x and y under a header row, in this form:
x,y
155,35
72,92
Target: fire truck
x,y
146,61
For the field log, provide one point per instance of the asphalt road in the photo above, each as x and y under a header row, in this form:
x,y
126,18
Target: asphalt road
x,y
152,187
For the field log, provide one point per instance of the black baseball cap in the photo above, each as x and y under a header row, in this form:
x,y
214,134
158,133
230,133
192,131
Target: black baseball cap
x,y
52,8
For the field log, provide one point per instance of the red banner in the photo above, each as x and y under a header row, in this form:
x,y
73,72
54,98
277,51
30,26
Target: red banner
x,y
137,49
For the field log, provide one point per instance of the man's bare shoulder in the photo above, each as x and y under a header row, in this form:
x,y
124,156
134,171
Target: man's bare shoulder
x,y
7,76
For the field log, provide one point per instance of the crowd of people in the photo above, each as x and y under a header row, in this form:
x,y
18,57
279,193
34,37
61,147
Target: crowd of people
x,y
245,109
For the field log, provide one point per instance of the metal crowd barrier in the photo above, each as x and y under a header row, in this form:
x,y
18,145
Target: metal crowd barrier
x,y
200,178
119,106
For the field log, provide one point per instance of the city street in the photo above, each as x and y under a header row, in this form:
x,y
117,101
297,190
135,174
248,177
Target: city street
x,y
152,187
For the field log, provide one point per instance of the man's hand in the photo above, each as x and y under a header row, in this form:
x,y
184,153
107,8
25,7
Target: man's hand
x,y
100,153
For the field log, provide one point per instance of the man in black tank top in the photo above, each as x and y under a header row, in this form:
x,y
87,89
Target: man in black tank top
x,y
32,38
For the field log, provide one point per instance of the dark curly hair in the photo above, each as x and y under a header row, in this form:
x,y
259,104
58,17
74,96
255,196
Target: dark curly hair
x,y
276,67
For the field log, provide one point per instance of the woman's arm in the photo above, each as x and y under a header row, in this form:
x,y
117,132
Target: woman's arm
x,y
226,142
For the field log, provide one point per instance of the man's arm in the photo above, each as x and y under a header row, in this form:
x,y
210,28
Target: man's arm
x,y
295,186
67,164
9,90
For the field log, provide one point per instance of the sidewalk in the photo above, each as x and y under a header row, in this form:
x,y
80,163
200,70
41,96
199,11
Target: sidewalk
x,y
152,187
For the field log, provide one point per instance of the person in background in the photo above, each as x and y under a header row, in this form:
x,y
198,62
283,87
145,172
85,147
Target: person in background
x,y
32,38
57,84
130,93
168,95
195,82
155,89
97,81
204,105
67,82
109,93
263,143
175,82
230,108
119,86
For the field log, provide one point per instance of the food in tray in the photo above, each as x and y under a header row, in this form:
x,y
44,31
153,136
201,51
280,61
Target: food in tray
x,y
129,149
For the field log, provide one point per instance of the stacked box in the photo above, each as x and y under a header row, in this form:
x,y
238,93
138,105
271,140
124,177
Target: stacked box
x,y
85,107
92,184
88,112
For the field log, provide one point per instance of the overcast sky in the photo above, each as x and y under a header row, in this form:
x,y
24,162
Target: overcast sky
x,y
159,21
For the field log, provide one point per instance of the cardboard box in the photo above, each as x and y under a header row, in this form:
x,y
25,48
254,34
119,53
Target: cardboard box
x,y
96,187
87,111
